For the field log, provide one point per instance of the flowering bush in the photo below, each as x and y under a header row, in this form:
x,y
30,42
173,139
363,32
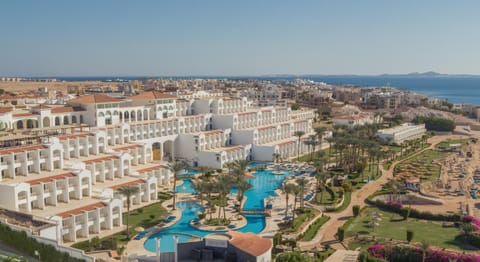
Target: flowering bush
x,y
474,221
377,251
394,204
399,253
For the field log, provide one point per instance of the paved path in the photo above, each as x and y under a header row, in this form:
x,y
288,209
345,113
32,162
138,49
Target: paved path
x,y
326,234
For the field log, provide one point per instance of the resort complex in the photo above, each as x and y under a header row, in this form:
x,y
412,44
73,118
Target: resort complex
x,y
193,174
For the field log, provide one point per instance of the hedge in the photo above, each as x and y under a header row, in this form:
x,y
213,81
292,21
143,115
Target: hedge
x,y
21,241
414,213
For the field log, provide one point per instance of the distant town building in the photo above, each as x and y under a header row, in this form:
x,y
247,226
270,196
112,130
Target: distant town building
x,y
399,134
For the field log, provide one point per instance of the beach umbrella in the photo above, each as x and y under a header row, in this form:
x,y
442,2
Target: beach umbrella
x,y
139,229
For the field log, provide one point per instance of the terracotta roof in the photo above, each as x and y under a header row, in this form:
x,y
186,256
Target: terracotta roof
x,y
213,132
48,179
148,169
21,149
64,109
80,210
126,147
250,243
23,114
93,99
232,148
152,95
41,106
131,183
5,109
100,159
64,137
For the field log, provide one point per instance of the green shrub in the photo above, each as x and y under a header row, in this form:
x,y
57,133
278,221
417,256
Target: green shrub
x,y
22,241
341,234
410,234
356,210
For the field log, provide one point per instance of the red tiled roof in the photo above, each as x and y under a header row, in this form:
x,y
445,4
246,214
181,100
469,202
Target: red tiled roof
x,y
148,169
21,149
126,147
80,210
94,99
64,109
23,114
100,159
212,132
131,183
5,109
50,178
232,148
152,95
250,243
41,106
64,137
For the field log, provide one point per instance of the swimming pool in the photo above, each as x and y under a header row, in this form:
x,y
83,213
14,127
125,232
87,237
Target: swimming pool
x,y
263,185
188,172
185,187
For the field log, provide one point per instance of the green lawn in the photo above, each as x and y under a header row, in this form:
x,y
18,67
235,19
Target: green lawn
x,y
315,156
313,229
421,165
327,198
391,226
346,202
446,144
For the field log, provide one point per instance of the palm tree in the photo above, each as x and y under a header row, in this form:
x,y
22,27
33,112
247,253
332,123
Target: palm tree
x,y
313,143
424,245
223,185
287,189
302,183
175,167
128,192
199,187
276,157
296,192
299,135
319,131
242,187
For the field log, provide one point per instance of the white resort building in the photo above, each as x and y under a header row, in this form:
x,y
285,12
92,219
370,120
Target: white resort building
x,y
65,163
399,134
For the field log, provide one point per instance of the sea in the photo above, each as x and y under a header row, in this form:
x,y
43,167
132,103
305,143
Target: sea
x,y
455,89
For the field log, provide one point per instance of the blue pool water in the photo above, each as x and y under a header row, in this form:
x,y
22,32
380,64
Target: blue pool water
x,y
186,187
188,172
263,184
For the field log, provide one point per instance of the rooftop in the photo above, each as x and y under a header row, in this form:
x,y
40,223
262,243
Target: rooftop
x,y
94,99
250,243
152,95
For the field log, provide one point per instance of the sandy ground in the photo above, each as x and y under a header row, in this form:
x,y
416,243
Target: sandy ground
x,y
329,229
22,88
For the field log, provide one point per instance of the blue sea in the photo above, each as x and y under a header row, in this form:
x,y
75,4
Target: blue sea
x,y
457,89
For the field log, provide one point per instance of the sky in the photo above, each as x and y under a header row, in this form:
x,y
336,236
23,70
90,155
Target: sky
x,y
237,38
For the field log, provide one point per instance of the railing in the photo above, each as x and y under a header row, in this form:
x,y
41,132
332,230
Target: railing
x,y
253,211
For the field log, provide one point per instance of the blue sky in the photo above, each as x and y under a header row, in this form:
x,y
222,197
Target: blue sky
x,y
165,38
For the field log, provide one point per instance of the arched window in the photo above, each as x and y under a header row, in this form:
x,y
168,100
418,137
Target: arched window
x,y
101,114
57,121
65,120
74,119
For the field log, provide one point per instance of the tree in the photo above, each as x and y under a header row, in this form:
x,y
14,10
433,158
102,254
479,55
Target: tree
x,y
410,234
175,167
356,210
291,257
302,183
128,192
296,192
341,234
287,189
424,245
299,135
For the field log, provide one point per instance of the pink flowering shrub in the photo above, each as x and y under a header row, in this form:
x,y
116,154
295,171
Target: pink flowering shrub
x,y
395,204
406,253
474,221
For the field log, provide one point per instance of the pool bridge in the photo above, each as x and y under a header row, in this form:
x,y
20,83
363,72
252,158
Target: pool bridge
x,y
255,211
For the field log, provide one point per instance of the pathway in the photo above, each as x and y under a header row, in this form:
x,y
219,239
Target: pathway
x,y
329,229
